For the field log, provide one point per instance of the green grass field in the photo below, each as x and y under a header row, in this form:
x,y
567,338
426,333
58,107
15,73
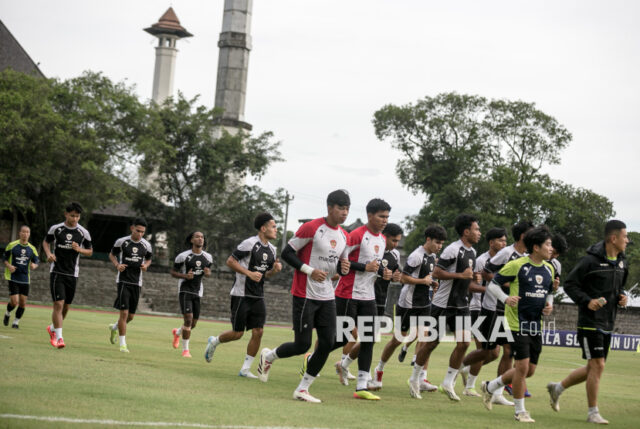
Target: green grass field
x,y
91,380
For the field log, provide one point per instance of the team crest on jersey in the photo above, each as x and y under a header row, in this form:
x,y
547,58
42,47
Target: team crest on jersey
x,y
69,236
384,262
134,250
538,279
264,256
430,267
333,243
470,263
23,251
621,264
198,263
376,248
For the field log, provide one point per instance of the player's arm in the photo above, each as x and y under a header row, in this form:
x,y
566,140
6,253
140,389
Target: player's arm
x,y
290,256
277,267
35,259
120,267
475,287
46,245
5,259
442,274
147,258
234,264
407,279
573,286
501,280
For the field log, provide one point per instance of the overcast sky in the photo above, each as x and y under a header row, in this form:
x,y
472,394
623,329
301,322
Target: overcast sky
x,y
320,69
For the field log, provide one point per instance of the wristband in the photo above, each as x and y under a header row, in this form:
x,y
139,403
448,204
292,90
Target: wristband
x,y
306,269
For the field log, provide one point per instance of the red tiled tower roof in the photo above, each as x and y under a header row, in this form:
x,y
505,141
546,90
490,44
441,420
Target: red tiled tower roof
x,y
168,24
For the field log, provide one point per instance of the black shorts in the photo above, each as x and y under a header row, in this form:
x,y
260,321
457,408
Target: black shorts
x,y
526,346
491,319
18,288
405,315
189,303
62,287
381,298
247,313
594,344
310,313
127,298
450,316
356,307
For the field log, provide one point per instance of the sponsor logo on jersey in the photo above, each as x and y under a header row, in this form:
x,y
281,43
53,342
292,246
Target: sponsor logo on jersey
x,y
333,243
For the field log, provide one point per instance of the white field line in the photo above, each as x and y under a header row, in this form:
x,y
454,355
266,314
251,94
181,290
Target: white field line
x,y
124,423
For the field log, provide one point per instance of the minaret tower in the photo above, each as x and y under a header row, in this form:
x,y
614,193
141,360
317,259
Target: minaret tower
x,y
168,30
233,64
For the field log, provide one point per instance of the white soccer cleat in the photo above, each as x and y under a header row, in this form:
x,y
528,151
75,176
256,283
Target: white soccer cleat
x,y
211,348
447,390
470,391
350,376
554,397
247,374
499,399
414,389
374,385
343,373
597,419
486,395
303,395
425,386
524,417
264,366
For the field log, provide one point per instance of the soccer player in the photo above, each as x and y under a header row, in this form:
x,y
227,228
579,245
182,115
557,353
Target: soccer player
x,y
530,281
253,260
559,244
488,351
70,240
596,285
414,300
391,260
20,257
355,294
455,270
190,266
315,252
131,255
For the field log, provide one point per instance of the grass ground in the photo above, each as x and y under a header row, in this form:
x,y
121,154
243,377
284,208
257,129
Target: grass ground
x,y
91,380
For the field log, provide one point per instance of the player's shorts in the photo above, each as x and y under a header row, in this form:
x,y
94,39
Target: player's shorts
x,y
127,298
474,315
491,318
405,315
450,317
594,344
381,298
62,287
189,304
310,313
526,346
247,313
18,288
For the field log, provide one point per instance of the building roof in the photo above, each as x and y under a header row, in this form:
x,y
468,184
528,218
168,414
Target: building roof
x,y
168,24
13,56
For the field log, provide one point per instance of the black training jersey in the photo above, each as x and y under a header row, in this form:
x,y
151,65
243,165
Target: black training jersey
x,y
391,261
133,255
195,262
62,237
494,265
253,255
453,294
419,265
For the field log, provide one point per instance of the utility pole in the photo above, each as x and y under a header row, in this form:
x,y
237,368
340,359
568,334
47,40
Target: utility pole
x,y
287,198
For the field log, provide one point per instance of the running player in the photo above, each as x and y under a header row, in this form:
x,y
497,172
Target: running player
x,y
560,247
253,260
70,240
190,266
455,270
596,285
414,300
355,294
315,252
20,257
530,281
131,255
391,260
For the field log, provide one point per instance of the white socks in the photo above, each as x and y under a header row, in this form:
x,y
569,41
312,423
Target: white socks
x,y
346,361
380,366
305,383
495,384
519,403
593,410
58,333
272,356
123,342
185,344
248,360
450,377
179,331
559,388
216,341
415,375
471,381
363,377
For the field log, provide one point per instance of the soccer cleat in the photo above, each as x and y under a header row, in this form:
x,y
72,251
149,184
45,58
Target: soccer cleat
x,y
501,400
365,394
247,374
449,392
425,386
597,418
414,389
470,391
524,417
176,338
209,350
305,362
124,349
402,354
52,336
526,393
509,389
554,397
350,376
374,385
113,334
186,353
15,326
264,366
342,373
486,395
5,321
60,343
303,395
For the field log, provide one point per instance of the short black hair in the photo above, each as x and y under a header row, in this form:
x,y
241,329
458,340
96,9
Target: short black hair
x,y
536,237
261,219
559,244
435,232
339,197
494,233
139,221
73,207
392,229
464,221
612,227
378,205
187,241
520,228
24,225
